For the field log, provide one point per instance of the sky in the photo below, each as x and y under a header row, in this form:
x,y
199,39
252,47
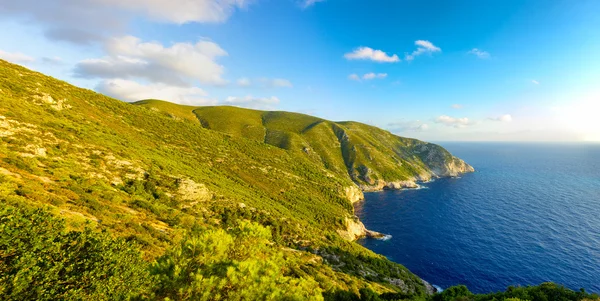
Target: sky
x,y
507,70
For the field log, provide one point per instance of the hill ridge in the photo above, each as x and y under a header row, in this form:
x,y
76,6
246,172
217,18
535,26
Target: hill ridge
x,y
155,177
363,172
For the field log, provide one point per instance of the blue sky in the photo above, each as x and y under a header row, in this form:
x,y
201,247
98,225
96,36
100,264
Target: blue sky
x,y
434,70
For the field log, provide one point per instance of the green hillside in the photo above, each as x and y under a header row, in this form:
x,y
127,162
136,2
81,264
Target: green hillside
x,y
370,157
104,200
152,178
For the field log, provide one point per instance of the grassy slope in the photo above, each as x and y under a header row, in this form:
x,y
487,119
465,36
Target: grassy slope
x,y
350,150
150,177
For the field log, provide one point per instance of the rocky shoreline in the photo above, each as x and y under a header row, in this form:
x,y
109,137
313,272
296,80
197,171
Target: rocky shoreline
x,y
355,229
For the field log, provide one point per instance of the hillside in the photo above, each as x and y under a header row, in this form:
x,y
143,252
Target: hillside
x,y
153,178
104,200
370,157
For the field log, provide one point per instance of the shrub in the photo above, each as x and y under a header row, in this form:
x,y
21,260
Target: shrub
x,y
40,260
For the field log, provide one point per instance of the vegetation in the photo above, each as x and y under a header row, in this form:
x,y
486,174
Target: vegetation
x,y
236,265
350,150
544,292
104,200
152,178
39,260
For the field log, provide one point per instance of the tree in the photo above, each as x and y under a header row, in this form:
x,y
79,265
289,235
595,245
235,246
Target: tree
x,y
239,265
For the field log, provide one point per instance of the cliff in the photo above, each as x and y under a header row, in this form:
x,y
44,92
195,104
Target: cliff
x,y
372,158
154,172
355,229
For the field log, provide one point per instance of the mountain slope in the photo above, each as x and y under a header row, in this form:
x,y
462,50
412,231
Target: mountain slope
x,y
370,157
156,176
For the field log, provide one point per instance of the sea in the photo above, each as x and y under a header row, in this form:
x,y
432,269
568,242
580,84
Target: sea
x,y
529,214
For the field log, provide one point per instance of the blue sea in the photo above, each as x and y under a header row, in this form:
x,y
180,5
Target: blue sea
x,y
529,214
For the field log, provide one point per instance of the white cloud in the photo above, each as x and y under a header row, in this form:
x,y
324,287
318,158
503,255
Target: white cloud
x,y
132,91
252,102
265,83
15,57
451,121
457,106
309,3
244,82
276,83
427,45
502,118
367,53
55,60
479,53
535,82
372,75
181,11
367,76
180,64
404,126
423,47
78,21
87,21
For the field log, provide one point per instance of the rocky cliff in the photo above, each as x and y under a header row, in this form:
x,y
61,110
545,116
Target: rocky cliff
x,y
151,172
353,194
355,229
370,157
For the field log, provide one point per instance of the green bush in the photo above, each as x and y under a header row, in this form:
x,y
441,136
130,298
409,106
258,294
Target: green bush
x,y
239,265
40,260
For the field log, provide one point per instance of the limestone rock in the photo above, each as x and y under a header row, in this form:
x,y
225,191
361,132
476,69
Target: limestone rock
x,y
440,162
396,185
192,191
353,194
355,229
393,185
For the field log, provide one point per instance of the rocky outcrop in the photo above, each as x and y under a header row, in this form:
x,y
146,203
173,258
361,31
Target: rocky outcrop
x,y
429,289
191,191
355,229
393,185
440,162
401,185
353,194
457,167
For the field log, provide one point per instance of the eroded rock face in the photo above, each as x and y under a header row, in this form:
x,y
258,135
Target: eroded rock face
x,y
394,185
353,194
378,185
457,167
440,162
56,104
429,289
355,229
192,191
401,185
437,162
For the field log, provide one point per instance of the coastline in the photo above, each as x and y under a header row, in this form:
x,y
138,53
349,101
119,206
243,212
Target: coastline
x,y
355,229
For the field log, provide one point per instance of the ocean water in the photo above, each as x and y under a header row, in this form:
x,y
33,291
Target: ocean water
x,y
529,214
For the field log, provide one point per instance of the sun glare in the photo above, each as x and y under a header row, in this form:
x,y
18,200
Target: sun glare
x,y
584,118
